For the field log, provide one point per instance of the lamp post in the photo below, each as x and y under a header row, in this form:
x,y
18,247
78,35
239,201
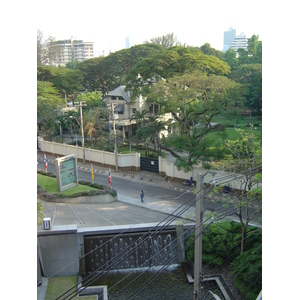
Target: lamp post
x,y
82,133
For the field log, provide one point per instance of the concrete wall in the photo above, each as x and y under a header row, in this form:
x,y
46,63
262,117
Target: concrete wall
x,y
61,249
58,251
132,162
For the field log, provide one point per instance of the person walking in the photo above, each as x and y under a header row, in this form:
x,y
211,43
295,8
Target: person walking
x,y
142,196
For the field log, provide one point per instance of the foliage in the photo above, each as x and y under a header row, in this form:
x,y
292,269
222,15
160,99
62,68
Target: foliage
x,y
193,100
67,81
250,76
248,271
40,214
246,159
219,241
92,99
206,49
106,73
172,62
48,99
83,189
167,41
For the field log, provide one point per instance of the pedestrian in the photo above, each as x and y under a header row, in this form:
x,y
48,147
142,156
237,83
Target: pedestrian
x,y
142,196
46,163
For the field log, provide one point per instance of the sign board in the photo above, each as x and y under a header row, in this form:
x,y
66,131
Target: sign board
x,y
66,172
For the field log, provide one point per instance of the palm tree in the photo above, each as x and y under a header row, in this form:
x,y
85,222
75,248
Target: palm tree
x,y
91,130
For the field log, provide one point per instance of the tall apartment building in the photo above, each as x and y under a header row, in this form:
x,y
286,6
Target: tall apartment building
x,y
239,41
64,51
229,36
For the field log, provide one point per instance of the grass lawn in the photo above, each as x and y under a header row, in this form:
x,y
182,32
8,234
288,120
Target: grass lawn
x,y
59,285
50,185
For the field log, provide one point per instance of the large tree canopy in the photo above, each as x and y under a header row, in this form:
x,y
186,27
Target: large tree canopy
x,y
250,76
48,99
106,73
193,99
173,61
67,81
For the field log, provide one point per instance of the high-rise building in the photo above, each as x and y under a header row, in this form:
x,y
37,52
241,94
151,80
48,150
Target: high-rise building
x,y
127,43
64,51
239,42
229,36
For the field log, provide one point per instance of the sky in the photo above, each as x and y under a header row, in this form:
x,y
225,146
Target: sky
x,y
108,23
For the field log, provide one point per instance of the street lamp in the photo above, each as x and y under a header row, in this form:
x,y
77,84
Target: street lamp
x,y
59,127
82,135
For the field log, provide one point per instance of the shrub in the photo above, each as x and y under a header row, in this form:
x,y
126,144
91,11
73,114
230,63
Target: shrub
x,y
101,190
248,272
219,241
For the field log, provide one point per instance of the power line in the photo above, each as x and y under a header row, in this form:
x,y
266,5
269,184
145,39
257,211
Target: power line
x,y
205,191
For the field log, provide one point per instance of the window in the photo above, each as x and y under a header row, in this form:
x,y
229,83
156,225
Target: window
x,y
133,110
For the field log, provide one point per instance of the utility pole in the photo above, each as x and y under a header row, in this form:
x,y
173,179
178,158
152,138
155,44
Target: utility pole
x,y
198,276
198,240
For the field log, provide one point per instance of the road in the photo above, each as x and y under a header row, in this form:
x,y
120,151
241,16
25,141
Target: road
x,y
122,212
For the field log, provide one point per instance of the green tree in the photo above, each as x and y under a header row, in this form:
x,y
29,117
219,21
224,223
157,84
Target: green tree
x,y
219,242
67,81
246,158
48,99
250,76
248,272
172,62
48,104
39,48
167,41
193,100
208,50
92,99
230,58
106,73
255,49
243,57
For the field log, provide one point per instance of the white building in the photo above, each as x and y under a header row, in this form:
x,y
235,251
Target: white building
x,y
64,51
124,109
239,42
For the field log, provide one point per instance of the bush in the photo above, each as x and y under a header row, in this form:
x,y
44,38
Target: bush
x,y
219,241
248,272
207,166
101,190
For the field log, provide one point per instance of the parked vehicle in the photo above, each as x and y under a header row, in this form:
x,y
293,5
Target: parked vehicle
x,y
188,182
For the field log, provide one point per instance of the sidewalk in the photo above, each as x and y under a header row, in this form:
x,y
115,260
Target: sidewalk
x,y
146,176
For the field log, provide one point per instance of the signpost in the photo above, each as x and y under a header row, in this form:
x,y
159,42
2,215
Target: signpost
x,y
66,172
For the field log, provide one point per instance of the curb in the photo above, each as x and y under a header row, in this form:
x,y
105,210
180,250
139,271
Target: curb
x,y
103,172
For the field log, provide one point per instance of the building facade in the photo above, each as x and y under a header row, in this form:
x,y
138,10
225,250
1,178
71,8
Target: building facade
x,y
64,51
239,42
229,36
124,109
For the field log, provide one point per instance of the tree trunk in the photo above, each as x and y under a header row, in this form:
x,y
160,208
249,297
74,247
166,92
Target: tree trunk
x,y
243,238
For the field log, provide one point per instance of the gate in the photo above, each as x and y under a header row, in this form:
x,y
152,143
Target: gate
x,y
149,164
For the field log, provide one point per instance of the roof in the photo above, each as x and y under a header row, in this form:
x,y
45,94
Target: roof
x,y
119,91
